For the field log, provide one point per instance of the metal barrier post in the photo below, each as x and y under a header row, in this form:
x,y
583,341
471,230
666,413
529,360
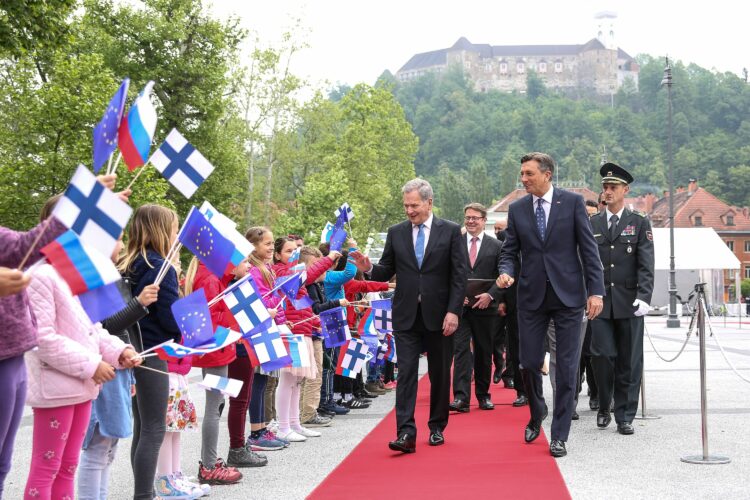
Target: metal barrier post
x,y
705,458
644,412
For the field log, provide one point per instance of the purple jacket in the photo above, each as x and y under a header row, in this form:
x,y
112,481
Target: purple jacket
x,y
18,333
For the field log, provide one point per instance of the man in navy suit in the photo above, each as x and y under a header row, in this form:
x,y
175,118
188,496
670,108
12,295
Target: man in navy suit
x,y
550,234
429,258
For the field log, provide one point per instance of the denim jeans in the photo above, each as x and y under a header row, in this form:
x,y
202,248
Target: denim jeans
x,y
373,372
93,472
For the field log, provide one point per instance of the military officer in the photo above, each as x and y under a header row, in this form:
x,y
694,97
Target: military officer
x,y
626,248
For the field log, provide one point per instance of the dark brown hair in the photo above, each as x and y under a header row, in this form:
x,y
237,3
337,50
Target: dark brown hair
x,y
478,207
546,163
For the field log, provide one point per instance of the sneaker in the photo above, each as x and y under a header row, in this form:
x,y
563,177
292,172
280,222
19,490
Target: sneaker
x,y
354,404
317,421
219,474
275,436
326,412
169,487
205,489
307,432
264,443
273,426
337,408
243,457
293,437
389,386
374,388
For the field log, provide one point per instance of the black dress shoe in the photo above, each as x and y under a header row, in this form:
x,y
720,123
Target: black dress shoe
x,y
557,448
625,429
575,415
486,404
496,377
508,383
603,418
436,438
594,403
534,427
404,444
521,400
459,405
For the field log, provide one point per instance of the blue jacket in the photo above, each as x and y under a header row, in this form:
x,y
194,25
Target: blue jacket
x,y
160,325
333,283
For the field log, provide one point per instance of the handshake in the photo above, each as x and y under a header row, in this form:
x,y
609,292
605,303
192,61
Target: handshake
x,y
504,281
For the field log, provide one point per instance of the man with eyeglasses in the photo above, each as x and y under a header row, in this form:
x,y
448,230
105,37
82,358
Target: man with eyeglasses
x,y
479,314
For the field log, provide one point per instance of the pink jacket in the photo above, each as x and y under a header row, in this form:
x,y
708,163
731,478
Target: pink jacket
x,y
70,346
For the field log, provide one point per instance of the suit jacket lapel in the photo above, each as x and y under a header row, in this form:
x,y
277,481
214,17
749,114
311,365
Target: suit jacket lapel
x,y
554,212
435,231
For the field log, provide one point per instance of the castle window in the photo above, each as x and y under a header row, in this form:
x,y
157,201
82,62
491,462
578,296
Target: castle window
x,y
542,67
503,68
558,67
520,68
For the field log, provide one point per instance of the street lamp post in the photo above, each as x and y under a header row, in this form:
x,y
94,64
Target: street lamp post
x,y
672,320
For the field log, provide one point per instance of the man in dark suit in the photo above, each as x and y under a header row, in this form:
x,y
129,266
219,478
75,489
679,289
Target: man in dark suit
x,y
626,248
549,232
479,317
428,257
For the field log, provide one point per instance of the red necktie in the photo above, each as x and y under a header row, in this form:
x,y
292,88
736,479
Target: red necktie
x,y
473,251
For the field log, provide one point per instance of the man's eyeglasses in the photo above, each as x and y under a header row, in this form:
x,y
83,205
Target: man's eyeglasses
x,y
470,218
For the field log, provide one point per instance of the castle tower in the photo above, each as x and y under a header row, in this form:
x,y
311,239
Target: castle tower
x,y
605,28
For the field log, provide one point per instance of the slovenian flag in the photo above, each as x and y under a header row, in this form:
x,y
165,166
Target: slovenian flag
x,y
137,130
82,268
366,325
295,345
223,337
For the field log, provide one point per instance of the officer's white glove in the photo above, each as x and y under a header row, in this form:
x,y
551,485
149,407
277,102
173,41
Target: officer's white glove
x,y
643,308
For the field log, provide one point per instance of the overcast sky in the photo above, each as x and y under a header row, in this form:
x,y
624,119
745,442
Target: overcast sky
x,y
353,41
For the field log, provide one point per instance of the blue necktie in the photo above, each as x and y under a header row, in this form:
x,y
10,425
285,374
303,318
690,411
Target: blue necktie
x,y
541,224
419,247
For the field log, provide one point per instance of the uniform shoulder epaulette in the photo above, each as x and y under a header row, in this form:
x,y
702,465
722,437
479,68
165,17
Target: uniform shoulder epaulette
x,y
642,214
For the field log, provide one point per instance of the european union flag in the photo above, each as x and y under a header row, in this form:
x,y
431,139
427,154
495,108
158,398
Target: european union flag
x,y
194,319
207,243
337,238
101,303
105,132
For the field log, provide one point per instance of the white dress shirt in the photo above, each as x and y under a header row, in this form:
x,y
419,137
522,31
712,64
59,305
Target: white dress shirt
x,y
546,205
479,241
415,231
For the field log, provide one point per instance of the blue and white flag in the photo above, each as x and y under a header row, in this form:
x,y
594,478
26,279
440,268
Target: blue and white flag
x,y
390,353
386,304
297,348
207,243
223,337
270,350
352,359
382,320
344,213
93,212
105,132
181,164
334,326
229,386
243,300
325,235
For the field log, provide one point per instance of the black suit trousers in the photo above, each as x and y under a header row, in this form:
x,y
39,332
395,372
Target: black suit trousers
x,y
479,328
409,345
532,328
617,348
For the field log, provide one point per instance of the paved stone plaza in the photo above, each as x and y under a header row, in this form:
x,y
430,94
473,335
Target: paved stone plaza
x,y
601,464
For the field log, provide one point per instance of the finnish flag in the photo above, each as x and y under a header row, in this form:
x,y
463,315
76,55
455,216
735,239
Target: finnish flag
x,y
247,307
181,164
344,213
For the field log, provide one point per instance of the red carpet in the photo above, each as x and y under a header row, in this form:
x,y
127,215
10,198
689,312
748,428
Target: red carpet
x,y
484,456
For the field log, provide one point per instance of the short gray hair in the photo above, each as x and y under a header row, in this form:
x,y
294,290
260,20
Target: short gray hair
x,y
421,185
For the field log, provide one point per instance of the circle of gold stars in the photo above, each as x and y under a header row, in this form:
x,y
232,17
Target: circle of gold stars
x,y
206,252
200,315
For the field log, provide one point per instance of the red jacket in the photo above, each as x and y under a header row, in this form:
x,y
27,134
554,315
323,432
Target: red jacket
x,y
295,315
352,288
220,315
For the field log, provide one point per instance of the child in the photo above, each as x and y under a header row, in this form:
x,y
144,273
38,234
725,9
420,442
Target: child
x,y
316,267
211,469
19,331
111,412
153,230
65,373
261,438
302,322
311,256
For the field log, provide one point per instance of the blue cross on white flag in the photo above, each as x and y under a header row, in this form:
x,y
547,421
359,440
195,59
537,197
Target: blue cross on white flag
x,y
382,320
345,213
92,211
244,301
181,164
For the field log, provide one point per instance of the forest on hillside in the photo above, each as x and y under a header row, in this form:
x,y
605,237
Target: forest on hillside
x,y
470,142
